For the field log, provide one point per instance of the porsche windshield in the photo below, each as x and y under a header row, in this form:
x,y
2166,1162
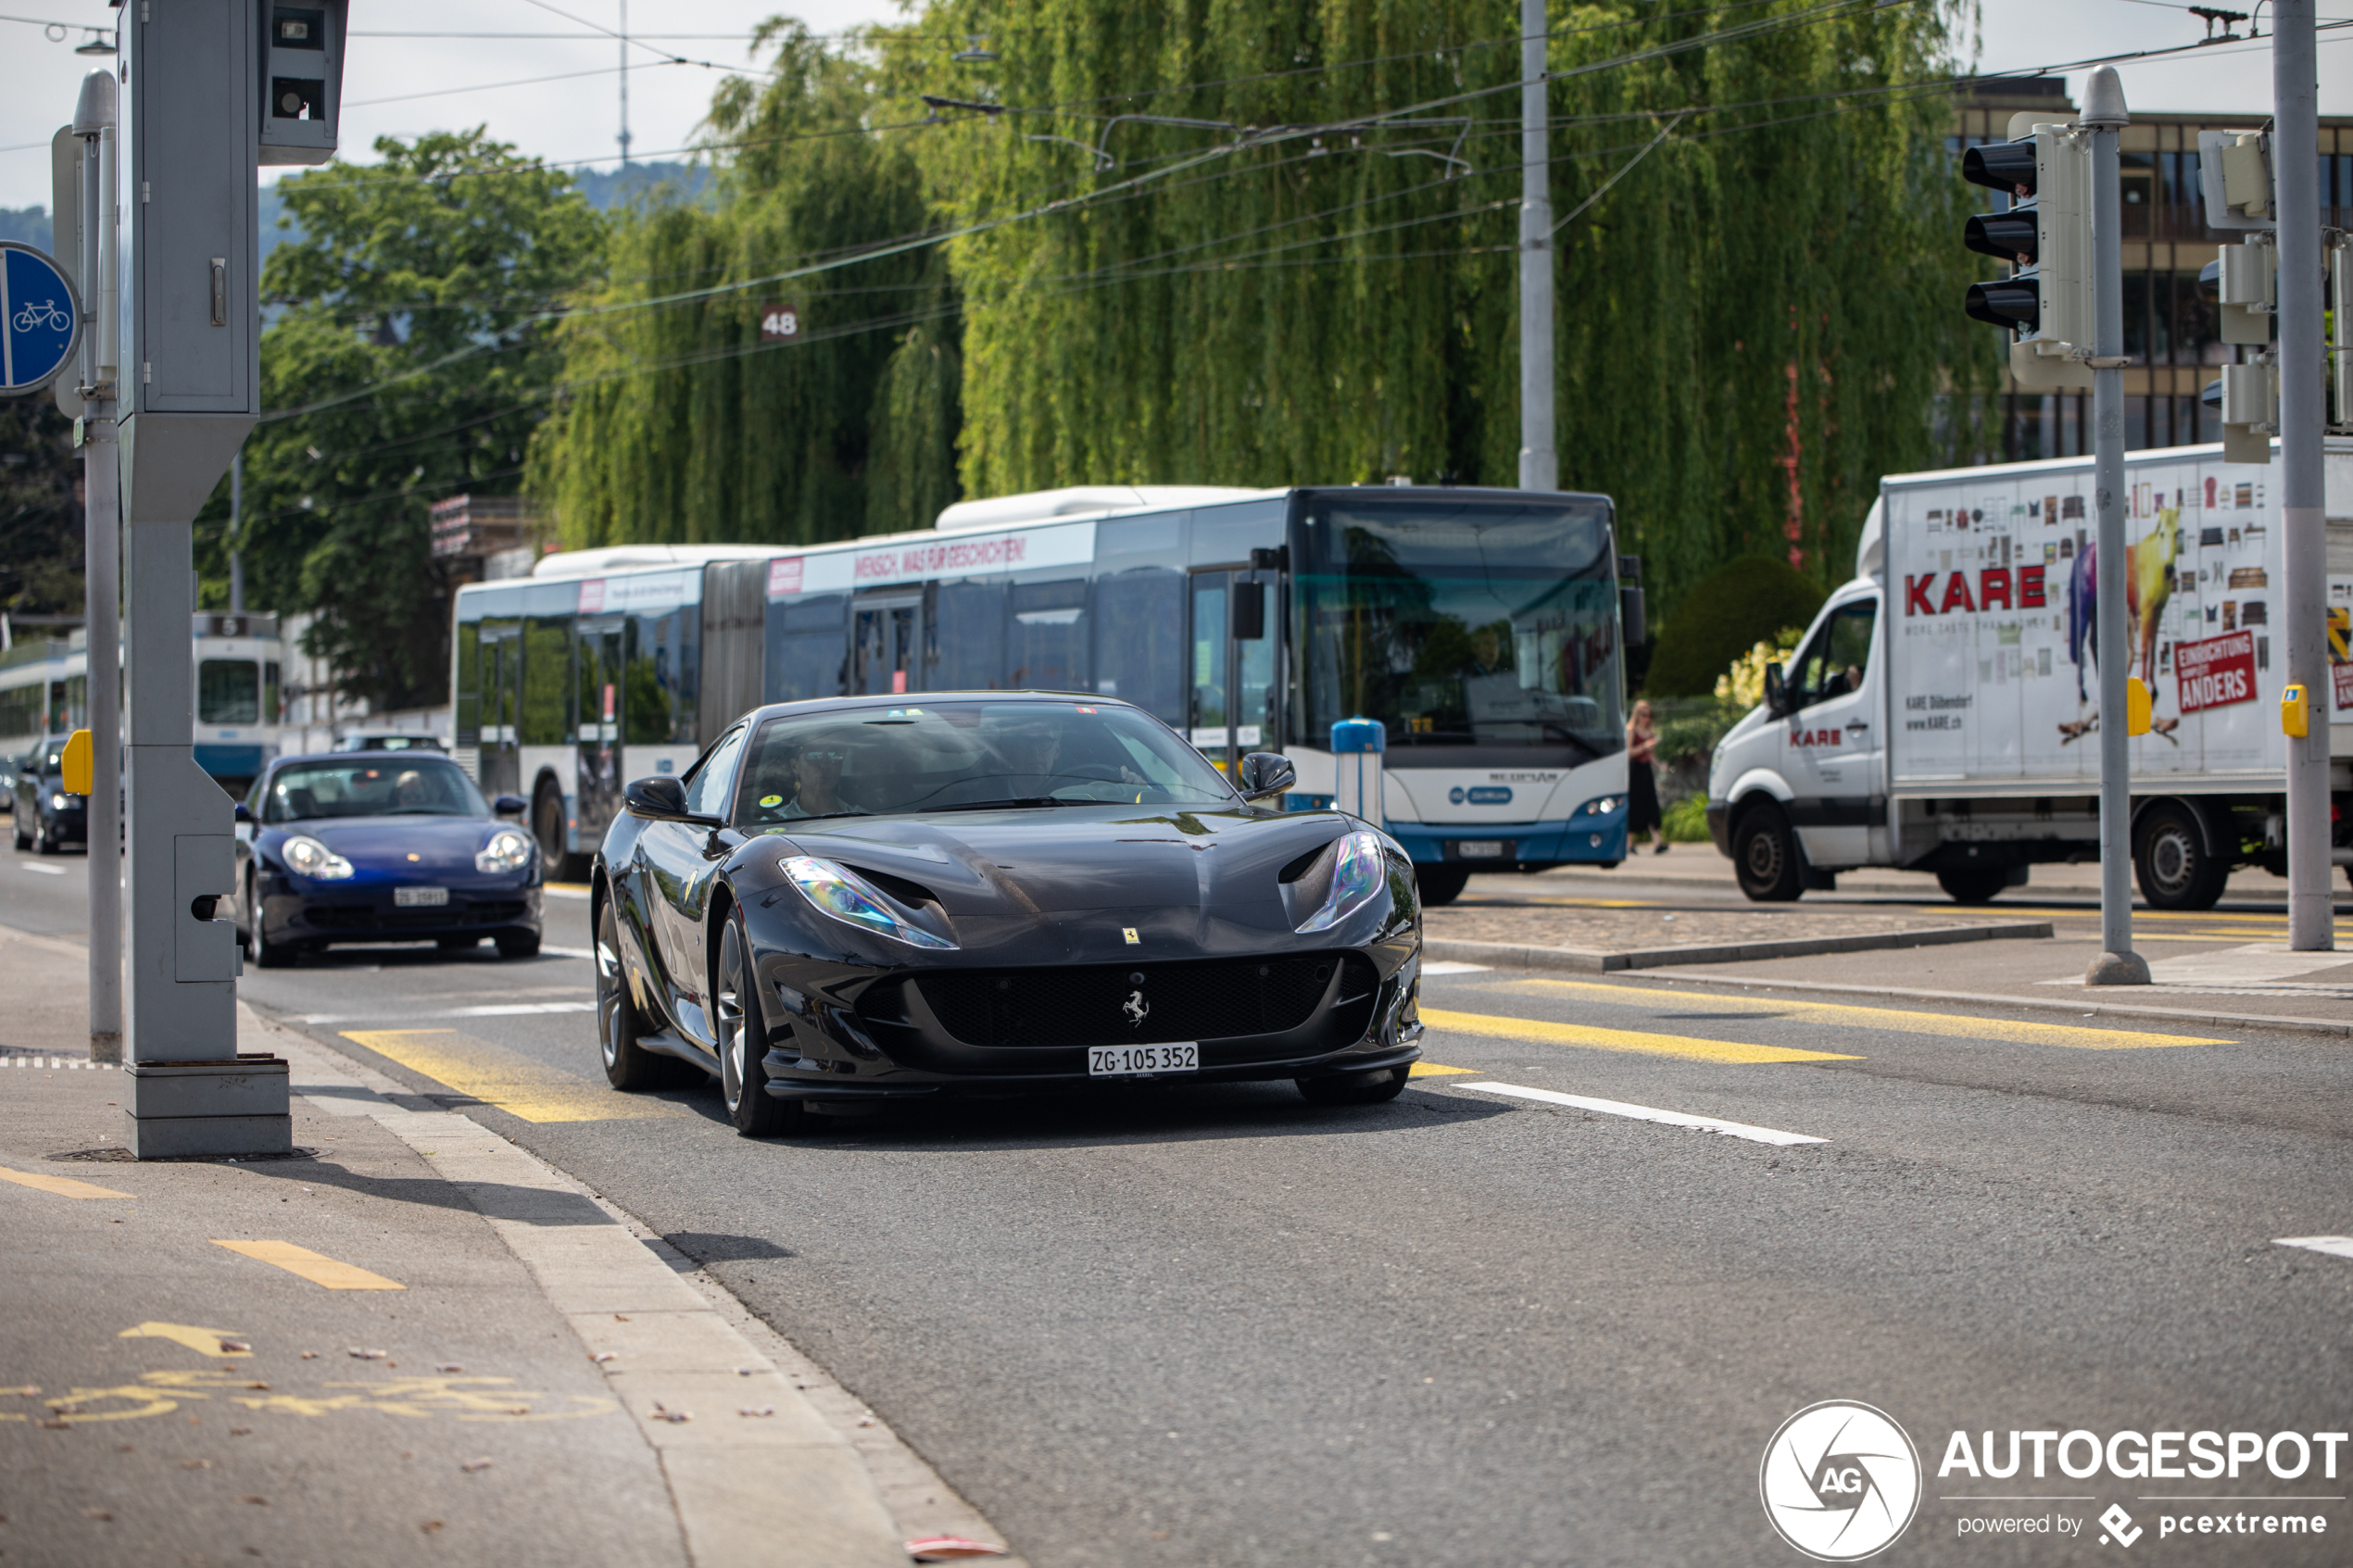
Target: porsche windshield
x,y
410,786
1487,622
968,756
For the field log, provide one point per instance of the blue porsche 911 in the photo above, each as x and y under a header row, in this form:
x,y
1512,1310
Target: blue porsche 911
x,y
381,846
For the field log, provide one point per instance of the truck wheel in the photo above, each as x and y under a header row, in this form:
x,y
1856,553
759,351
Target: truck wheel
x,y
1440,885
1974,885
1766,857
2170,856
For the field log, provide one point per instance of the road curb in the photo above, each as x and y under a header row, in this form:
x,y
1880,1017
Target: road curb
x,y
1585,960
2323,1026
786,1490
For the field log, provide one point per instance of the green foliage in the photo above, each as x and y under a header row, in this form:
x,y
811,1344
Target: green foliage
x,y
1726,612
1685,821
677,424
41,531
409,362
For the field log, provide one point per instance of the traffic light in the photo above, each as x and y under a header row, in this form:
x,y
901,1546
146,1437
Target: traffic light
x,y
2242,283
2249,399
2045,235
2234,178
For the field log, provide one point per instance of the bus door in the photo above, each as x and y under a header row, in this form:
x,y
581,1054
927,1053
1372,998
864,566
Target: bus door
x,y
599,711
502,710
1232,650
886,636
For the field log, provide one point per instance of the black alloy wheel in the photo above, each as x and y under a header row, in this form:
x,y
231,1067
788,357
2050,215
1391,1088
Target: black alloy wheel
x,y
1440,884
265,953
2174,868
1351,1088
1974,885
743,1041
628,1066
1765,856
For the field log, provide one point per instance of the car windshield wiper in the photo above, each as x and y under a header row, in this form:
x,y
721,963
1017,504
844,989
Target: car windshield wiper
x,y
817,817
1019,800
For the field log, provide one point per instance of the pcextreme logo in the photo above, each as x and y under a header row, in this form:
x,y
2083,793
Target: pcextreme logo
x,y
1840,1481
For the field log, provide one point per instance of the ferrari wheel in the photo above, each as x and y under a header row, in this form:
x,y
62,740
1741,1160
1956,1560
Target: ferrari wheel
x,y
628,1065
743,1041
1350,1089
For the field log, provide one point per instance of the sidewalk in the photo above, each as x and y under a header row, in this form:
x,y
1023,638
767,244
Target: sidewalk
x,y
411,1333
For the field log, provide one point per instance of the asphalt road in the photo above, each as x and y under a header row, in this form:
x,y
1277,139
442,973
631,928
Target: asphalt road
x,y
1214,1325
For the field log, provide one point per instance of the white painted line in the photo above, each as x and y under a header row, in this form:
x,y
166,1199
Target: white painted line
x,y
1645,1114
1448,966
55,1063
517,1009
563,890
569,952
2337,1245
45,870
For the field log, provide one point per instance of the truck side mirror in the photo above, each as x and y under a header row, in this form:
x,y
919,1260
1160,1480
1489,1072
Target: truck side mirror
x,y
1776,694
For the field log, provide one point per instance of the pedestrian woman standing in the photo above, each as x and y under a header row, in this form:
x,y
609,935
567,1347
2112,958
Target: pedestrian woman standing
x,y
1642,784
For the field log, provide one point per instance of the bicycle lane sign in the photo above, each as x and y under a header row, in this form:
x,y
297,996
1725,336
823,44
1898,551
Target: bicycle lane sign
x,y
40,319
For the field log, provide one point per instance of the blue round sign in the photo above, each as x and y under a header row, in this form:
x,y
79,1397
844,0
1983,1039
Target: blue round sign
x,y
40,317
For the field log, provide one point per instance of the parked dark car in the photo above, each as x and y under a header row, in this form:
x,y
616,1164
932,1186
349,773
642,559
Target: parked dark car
x,y
381,846
855,900
45,819
389,742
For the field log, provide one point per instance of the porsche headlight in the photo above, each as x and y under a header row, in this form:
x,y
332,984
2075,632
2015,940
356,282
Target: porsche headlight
x,y
305,855
509,850
1356,877
844,895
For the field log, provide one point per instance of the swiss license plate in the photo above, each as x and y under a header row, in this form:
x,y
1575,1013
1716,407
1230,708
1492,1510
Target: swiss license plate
x,y
1480,849
1123,1061
419,898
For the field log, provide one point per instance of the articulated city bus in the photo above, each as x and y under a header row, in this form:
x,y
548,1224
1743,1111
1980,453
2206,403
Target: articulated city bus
x,y
233,661
1482,627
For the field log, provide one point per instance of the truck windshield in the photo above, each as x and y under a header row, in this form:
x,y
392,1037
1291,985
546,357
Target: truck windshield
x,y
1478,631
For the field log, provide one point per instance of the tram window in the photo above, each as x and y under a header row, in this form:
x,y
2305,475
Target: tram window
x,y
228,692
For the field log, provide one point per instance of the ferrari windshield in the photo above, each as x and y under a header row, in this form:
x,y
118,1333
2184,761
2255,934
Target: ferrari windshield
x,y
410,786
968,756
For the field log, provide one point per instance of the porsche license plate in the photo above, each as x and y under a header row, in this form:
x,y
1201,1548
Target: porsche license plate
x,y
1126,1062
419,898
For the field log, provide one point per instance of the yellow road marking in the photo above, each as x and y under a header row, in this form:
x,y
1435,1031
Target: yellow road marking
x,y
315,1267
1432,1070
510,1080
203,1341
2015,1031
1642,1043
63,1187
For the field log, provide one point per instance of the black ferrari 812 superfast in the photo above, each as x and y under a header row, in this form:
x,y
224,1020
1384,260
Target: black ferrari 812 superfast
x,y
853,901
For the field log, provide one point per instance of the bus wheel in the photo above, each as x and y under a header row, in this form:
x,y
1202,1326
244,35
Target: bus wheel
x,y
1765,856
548,824
1440,885
2173,867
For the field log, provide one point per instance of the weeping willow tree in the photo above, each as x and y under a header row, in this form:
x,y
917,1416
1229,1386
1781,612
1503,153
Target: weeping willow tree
x,y
1207,247
675,419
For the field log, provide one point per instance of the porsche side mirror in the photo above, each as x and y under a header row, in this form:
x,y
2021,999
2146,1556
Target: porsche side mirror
x,y
1776,694
243,812
508,806
1265,774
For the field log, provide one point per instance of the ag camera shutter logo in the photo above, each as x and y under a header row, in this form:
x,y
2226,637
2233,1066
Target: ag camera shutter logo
x,y
1840,1481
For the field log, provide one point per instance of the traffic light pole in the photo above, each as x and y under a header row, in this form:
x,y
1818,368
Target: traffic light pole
x,y
1539,462
2295,132
2103,116
94,122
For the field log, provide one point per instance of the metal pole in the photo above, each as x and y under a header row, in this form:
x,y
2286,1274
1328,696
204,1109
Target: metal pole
x,y
1538,463
623,36
2103,116
2295,134
236,518
102,562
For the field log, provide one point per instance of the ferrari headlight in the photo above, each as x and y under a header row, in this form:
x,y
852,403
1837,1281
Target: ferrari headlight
x,y
1356,878
509,850
307,856
844,895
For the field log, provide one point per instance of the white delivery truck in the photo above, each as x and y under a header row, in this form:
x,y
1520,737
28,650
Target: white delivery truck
x,y
1941,713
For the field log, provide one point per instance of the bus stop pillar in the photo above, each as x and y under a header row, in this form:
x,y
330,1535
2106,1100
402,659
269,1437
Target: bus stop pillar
x,y
1357,745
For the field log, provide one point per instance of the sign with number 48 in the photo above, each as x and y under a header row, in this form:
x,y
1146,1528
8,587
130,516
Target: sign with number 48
x,y
779,323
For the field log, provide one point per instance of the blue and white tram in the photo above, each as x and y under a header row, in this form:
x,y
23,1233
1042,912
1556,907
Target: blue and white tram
x,y
1482,627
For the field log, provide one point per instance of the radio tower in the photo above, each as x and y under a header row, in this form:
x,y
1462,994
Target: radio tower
x,y
623,137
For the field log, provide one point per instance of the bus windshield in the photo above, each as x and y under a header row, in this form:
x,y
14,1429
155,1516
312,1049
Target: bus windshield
x,y
1478,631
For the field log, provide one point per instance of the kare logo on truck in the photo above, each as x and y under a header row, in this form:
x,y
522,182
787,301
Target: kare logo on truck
x,y
1802,737
1998,587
